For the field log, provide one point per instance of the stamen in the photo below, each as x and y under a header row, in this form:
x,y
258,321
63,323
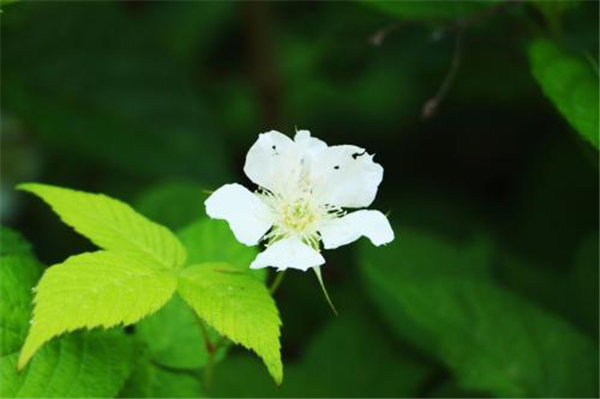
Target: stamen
x,y
297,215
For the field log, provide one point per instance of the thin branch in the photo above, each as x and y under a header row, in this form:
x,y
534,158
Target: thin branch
x,y
377,38
459,26
432,104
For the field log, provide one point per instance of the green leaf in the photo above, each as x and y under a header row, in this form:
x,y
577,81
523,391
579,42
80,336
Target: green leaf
x,y
112,224
341,360
173,204
173,334
82,365
492,339
151,381
91,365
11,243
571,83
237,306
209,240
95,289
174,337
17,275
429,10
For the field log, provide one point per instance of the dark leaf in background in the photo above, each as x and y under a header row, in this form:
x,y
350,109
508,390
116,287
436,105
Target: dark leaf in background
x,y
20,272
173,336
571,83
174,204
149,380
349,357
107,94
208,240
438,295
12,243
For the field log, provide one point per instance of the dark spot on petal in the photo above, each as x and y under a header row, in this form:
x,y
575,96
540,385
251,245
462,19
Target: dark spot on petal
x,y
358,154
336,167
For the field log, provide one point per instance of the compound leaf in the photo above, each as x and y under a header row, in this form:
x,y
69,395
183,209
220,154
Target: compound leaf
x,y
95,289
93,365
237,306
112,224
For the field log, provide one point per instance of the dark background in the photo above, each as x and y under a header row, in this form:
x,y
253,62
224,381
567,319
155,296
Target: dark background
x,y
154,102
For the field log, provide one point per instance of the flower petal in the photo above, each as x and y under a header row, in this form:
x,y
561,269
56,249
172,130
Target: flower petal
x,y
288,253
308,145
248,217
371,224
273,162
345,176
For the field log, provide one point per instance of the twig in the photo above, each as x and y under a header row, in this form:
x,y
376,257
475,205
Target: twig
x,y
432,104
460,26
377,38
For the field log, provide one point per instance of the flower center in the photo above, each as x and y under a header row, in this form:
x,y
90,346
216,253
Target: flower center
x,y
297,216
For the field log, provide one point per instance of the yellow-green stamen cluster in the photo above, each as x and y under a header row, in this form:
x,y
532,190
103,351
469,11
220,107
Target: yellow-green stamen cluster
x,y
297,216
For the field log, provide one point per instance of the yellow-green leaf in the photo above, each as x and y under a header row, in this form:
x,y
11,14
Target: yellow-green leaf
x,y
112,224
238,306
92,290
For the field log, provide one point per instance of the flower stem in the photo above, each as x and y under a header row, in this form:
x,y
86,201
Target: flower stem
x,y
275,284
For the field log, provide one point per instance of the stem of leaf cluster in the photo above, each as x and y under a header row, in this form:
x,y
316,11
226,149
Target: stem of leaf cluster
x,y
208,372
277,282
210,351
213,347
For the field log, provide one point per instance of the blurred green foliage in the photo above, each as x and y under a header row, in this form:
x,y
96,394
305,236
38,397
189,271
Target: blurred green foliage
x,y
491,287
441,297
570,83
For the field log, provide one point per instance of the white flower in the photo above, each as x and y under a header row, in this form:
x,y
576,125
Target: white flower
x,y
304,188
